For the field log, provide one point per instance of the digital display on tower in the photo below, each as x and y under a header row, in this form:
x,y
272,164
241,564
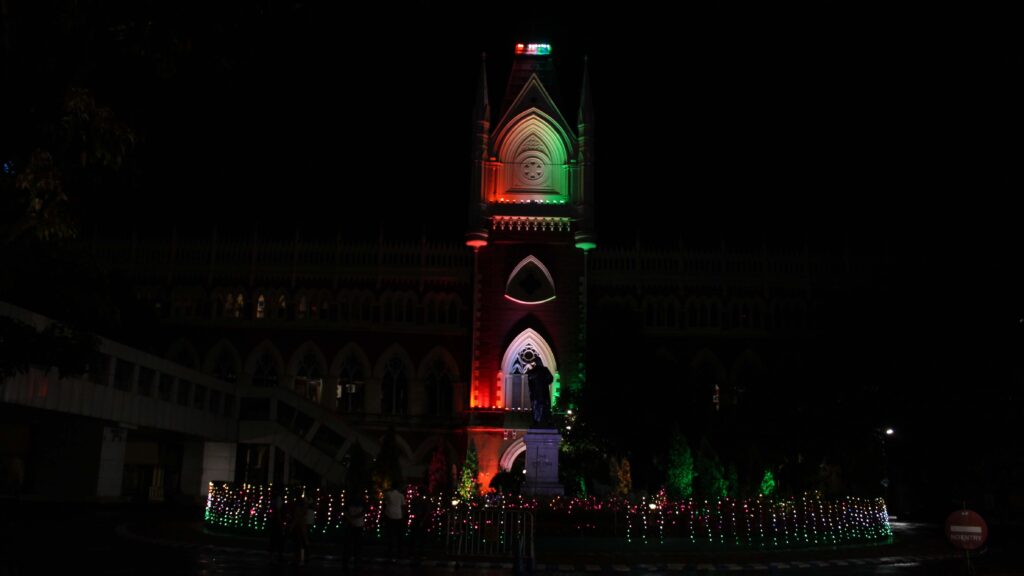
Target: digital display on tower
x,y
533,49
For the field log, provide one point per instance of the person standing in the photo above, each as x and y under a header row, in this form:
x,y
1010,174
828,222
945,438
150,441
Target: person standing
x,y
419,519
394,514
355,519
300,530
276,527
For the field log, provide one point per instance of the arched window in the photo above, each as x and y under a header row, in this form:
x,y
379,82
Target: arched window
x,y
261,307
351,386
224,366
309,379
439,389
239,305
517,396
530,282
394,386
265,373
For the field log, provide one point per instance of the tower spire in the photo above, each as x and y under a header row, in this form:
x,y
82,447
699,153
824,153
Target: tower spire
x,y
586,111
482,109
476,235
585,235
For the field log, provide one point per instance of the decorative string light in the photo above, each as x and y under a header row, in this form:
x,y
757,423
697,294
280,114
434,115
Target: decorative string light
x,y
764,522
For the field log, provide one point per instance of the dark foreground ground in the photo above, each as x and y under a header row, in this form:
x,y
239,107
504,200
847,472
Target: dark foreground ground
x,y
55,538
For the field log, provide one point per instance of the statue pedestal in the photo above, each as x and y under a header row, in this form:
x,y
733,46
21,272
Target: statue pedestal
x,y
542,462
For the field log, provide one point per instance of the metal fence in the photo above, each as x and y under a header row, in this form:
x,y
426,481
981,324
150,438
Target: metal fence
x,y
490,532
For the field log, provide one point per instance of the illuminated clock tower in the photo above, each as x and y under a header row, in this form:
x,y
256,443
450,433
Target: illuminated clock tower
x,y
531,226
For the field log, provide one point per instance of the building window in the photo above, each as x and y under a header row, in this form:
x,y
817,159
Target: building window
x,y
266,371
261,307
224,367
309,379
439,390
517,389
393,387
351,387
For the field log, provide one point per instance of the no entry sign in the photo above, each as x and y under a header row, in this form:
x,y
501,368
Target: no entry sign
x,y
966,529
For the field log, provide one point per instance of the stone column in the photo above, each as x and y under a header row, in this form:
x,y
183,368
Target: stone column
x,y
111,472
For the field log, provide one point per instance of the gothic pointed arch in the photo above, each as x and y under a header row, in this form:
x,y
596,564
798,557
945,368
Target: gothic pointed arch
x,y
425,449
264,366
530,282
307,360
533,157
438,374
528,346
223,361
306,370
353,353
350,369
438,356
534,98
393,374
508,457
183,352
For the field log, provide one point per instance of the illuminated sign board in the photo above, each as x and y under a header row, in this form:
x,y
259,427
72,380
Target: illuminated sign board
x,y
533,49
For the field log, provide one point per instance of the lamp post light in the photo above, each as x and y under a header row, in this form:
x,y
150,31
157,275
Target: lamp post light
x,y
883,435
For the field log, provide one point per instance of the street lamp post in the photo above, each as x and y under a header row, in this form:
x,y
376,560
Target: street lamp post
x,y
883,435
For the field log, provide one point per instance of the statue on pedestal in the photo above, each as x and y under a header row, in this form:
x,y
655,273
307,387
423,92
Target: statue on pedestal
x,y
539,379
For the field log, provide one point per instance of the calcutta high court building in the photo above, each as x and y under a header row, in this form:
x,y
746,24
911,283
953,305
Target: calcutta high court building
x,y
274,360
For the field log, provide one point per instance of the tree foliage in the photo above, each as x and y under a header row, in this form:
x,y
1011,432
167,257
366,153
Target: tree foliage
x,y
622,476
711,480
680,468
767,484
468,484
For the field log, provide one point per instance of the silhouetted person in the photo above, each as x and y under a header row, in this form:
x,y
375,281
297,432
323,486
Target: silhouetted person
x,y
276,527
300,530
394,503
355,519
419,519
540,379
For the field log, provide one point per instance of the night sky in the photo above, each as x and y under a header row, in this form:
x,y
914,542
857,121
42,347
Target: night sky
x,y
889,132
760,124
